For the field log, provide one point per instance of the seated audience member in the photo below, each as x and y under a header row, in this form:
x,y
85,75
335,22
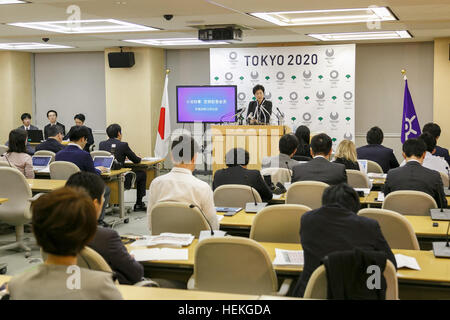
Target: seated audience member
x,y
287,146
180,185
52,115
79,121
63,223
320,168
53,143
17,155
376,152
431,162
74,153
303,135
413,176
26,120
340,229
237,160
435,130
123,151
107,241
346,155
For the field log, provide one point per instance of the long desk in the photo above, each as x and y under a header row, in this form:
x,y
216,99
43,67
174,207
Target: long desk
x,y
45,185
3,200
151,169
433,278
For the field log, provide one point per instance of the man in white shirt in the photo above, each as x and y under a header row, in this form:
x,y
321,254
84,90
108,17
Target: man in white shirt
x,y
431,162
179,185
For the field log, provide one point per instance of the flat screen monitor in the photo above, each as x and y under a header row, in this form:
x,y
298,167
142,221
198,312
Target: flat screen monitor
x,y
211,104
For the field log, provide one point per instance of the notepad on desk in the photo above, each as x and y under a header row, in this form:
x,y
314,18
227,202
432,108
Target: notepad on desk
x,y
167,238
160,254
288,257
406,262
380,197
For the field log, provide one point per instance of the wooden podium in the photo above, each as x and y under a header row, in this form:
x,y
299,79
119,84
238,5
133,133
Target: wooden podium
x,y
259,140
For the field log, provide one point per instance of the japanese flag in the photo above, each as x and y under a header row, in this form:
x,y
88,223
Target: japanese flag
x,y
163,135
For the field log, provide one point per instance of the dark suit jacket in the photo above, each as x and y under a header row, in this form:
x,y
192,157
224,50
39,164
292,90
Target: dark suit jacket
x,y
413,176
80,157
266,104
108,244
50,145
320,169
442,152
333,228
237,174
347,163
90,140
57,124
123,150
380,154
31,127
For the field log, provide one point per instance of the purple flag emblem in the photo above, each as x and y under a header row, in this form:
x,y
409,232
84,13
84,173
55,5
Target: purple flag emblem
x,y
410,122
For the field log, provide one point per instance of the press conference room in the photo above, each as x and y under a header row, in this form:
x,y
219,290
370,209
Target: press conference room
x,y
224,150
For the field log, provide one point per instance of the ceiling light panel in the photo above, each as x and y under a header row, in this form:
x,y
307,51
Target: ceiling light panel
x,y
30,46
175,42
12,2
403,34
333,16
84,26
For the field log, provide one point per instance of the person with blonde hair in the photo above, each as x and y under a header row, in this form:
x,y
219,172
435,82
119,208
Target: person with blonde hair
x,y
346,155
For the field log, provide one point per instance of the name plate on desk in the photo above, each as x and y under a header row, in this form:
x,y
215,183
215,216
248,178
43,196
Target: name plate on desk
x,y
436,214
251,207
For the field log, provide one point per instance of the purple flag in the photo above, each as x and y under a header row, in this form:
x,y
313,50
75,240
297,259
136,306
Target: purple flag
x,y
410,122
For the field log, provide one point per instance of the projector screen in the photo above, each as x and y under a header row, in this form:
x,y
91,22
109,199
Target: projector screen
x,y
210,104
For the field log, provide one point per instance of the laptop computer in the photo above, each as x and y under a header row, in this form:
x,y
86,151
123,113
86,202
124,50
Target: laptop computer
x,y
41,162
104,161
35,136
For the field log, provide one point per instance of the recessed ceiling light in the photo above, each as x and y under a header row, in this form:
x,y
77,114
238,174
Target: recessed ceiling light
x,y
12,2
30,46
403,34
333,16
84,26
175,42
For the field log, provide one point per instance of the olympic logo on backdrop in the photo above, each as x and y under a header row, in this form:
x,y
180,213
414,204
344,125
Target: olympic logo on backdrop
x,y
241,96
329,52
320,94
254,75
268,95
228,76
307,116
334,115
348,95
334,74
293,95
307,74
233,55
280,75
348,136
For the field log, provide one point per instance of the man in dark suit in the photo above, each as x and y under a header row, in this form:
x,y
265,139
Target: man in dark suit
x,y
107,241
74,153
79,121
435,130
288,147
122,152
26,120
413,176
260,110
376,152
336,227
53,143
320,168
52,115
237,160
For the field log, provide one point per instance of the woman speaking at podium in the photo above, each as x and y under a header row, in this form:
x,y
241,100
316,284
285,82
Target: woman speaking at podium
x,y
260,110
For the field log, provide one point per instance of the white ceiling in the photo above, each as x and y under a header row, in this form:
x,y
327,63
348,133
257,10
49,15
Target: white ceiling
x,y
425,19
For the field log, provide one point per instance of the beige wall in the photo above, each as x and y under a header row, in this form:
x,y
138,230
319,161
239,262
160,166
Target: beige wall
x,y
133,98
441,108
15,90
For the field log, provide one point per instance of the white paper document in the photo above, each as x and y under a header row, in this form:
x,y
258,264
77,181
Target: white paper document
x,y
160,254
288,257
380,196
277,196
406,262
151,159
167,238
219,217
374,175
365,190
